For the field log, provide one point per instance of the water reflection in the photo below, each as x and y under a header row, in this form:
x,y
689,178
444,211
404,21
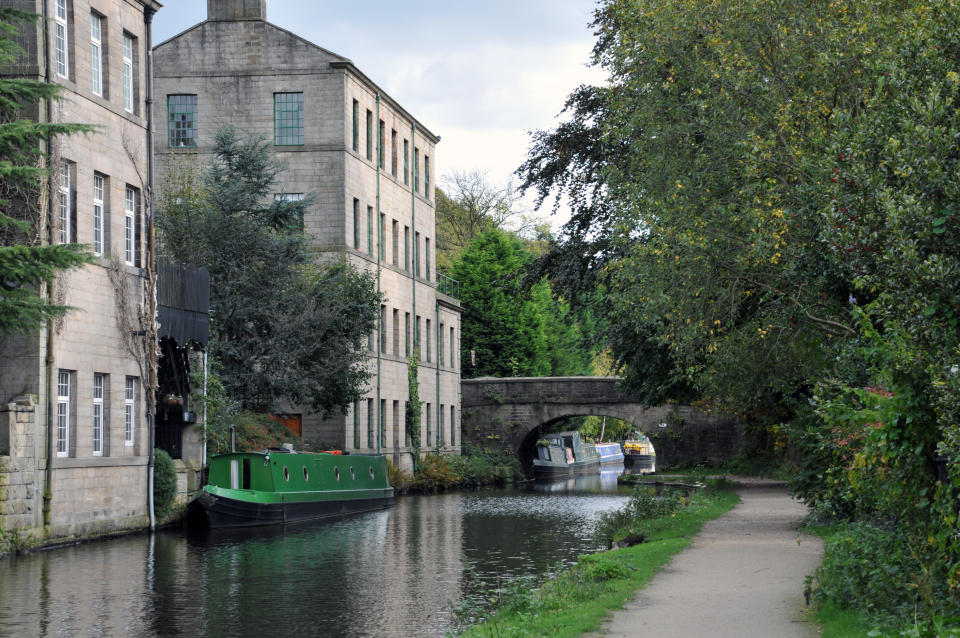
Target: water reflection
x,y
398,572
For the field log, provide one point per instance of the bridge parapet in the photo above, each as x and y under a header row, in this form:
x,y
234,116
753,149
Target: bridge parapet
x,y
506,412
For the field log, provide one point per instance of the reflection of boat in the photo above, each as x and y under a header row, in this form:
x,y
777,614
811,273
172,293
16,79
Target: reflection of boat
x,y
610,454
564,453
260,488
603,481
639,452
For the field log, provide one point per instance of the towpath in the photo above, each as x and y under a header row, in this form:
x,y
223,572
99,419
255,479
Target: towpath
x,y
742,577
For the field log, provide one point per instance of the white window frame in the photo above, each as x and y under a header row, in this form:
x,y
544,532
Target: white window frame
x,y
128,73
63,413
288,197
130,207
96,53
98,214
61,38
64,205
98,383
129,421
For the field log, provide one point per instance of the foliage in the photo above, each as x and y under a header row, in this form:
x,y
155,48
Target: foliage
x,y
413,407
26,258
643,513
513,330
575,601
267,293
434,474
481,466
164,483
400,479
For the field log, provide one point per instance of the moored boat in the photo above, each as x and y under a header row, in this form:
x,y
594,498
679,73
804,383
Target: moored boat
x,y
278,486
639,453
610,454
563,454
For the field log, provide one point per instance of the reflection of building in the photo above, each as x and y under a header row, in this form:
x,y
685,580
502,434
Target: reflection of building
x,y
76,437
368,164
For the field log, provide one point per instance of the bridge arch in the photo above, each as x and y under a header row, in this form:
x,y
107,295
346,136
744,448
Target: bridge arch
x,y
504,413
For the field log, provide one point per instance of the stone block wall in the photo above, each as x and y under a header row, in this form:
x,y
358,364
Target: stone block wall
x,y
20,484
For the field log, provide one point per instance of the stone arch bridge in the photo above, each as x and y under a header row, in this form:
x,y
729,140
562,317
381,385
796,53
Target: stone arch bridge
x,y
512,413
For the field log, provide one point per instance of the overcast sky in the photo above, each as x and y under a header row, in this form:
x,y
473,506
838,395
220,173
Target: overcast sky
x,y
479,74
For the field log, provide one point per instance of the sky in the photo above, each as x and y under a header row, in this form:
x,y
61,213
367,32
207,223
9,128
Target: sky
x,y
481,75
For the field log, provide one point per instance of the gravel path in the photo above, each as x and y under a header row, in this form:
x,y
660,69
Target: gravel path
x,y
742,577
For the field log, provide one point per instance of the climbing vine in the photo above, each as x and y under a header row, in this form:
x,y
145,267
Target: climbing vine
x,y
413,408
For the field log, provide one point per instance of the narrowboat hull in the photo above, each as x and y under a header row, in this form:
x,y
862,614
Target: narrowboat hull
x,y
610,454
216,510
552,470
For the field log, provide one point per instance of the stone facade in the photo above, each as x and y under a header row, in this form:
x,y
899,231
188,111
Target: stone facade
x,y
512,413
75,445
238,69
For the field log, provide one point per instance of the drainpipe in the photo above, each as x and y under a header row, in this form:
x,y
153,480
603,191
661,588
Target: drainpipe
x,y
379,262
436,327
416,250
151,334
203,450
48,359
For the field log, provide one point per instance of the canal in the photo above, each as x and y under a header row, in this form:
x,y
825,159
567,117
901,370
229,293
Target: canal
x,y
400,572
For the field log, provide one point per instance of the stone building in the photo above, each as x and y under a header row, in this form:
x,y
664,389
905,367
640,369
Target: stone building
x,y
369,165
73,425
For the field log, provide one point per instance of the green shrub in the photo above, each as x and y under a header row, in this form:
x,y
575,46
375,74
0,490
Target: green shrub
x,y
400,480
484,466
434,474
164,483
644,513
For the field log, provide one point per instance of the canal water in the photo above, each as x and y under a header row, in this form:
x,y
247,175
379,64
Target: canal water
x,y
399,572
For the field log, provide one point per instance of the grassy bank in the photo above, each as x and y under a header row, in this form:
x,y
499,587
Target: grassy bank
x,y
477,467
576,600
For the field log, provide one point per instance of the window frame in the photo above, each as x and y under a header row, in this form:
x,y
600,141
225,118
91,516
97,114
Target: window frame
x,y
129,411
426,176
356,126
282,117
64,213
99,382
129,224
127,68
96,53
99,187
369,135
174,117
61,39
406,162
64,392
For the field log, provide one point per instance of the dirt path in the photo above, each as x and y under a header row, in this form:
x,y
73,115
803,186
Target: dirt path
x,y
742,577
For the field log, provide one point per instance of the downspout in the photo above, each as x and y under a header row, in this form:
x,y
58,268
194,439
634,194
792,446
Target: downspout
x,y
414,263
151,334
51,294
203,450
436,327
379,262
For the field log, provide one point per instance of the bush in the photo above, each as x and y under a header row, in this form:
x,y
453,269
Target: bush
x,y
435,474
484,466
643,514
164,483
400,480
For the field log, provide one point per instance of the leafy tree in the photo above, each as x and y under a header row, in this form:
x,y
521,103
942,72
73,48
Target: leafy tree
x,y
284,328
26,258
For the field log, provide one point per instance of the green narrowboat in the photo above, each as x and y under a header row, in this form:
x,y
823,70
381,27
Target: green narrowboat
x,y
279,486
564,453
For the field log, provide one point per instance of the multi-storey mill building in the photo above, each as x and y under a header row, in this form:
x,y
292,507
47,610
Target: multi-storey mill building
x,y
74,438
368,164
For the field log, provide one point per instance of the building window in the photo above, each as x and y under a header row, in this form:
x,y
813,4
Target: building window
x,y
416,169
369,423
426,176
428,341
416,254
406,334
383,128
356,223
429,429
396,243
406,162
63,413
129,209
453,428
440,423
396,332
356,425
64,213
393,153
98,383
383,329
406,248
426,257
369,135
127,73
62,39
96,53
440,332
416,338
129,415
369,230
288,119
98,213
356,126
381,421
182,120
451,347
380,238
396,424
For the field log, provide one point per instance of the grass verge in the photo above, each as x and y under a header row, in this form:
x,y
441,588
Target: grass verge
x,y
576,600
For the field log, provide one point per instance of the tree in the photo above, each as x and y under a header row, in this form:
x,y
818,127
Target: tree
x,y
27,258
284,327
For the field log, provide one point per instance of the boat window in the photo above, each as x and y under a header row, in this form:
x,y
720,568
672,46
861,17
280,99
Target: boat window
x,y
371,472
352,475
234,474
246,474
336,473
306,476
286,473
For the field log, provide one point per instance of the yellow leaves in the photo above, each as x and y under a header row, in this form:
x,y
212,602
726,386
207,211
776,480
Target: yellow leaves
x,y
953,77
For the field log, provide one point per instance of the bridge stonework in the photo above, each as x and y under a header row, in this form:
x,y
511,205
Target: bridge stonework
x,y
511,414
